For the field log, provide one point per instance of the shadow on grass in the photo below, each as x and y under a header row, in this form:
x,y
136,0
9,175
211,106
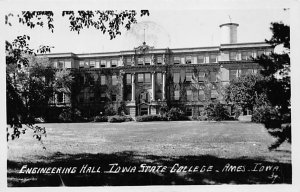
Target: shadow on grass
x,y
223,171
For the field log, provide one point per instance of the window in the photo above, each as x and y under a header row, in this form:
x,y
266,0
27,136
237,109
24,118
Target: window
x,y
60,97
86,64
201,76
60,65
158,78
92,64
128,79
140,78
232,56
128,61
260,52
114,63
159,60
214,94
55,64
68,64
189,95
246,55
200,59
188,60
147,78
194,61
81,64
102,96
232,74
176,95
114,80
108,63
114,97
188,77
201,95
213,76
176,60
97,64
213,58
176,77
189,111
103,64
182,60
103,80
140,61
92,97
147,61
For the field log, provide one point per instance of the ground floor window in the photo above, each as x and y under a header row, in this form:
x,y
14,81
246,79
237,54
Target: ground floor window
x,y
189,111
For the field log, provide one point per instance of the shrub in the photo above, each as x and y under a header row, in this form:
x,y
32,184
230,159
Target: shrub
x,y
70,115
119,119
151,118
176,114
100,119
264,114
217,112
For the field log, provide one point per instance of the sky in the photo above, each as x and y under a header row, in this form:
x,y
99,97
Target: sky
x,y
173,28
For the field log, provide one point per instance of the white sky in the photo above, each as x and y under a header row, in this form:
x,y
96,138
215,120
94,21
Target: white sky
x,y
173,28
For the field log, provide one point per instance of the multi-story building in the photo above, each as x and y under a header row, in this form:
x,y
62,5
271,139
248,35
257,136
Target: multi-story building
x,y
144,79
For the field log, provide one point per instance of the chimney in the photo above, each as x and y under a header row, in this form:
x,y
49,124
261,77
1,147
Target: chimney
x,y
229,33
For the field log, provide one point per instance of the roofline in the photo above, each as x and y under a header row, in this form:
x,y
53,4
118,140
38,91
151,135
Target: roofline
x,y
162,50
235,24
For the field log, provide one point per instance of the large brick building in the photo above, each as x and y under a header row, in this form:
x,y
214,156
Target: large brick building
x,y
144,79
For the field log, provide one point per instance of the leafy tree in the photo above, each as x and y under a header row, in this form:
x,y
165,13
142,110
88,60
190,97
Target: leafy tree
x,y
21,92
217,112
275,69
245,91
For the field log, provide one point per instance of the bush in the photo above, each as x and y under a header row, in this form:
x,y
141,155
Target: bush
x,y
176,114
70,115
264,114
217,112
100,119
151,118
119,119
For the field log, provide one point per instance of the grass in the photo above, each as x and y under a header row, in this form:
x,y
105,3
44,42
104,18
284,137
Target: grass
x,y
156,143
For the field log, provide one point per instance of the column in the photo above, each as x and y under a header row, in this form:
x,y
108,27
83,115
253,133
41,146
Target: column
x,y
163,85
153,85
133,87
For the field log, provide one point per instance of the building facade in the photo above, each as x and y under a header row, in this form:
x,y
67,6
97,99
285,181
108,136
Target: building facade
x,y
143,80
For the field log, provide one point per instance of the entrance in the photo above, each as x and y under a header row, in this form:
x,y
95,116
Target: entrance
x,y
144,110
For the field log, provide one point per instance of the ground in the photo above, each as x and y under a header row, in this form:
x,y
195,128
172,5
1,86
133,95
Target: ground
x,y
187,143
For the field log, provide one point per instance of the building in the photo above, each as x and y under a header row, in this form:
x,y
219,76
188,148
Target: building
x,y
144,79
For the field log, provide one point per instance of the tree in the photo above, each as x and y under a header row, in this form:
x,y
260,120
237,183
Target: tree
x,y
21,92
276,70
245,92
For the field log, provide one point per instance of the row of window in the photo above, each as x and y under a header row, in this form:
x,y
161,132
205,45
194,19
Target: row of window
x,y
196,96
189,77
146,78
235,73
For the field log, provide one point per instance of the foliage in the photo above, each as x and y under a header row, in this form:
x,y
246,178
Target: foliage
x,y
119,119
217,112
25,94
70,115
109,110
244,91
276,70
106,21
176,114
151,118
100,118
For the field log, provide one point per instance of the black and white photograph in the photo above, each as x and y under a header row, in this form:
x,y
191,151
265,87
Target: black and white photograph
x,y
129,95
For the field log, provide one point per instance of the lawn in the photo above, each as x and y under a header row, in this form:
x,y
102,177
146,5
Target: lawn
x,y
187,143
